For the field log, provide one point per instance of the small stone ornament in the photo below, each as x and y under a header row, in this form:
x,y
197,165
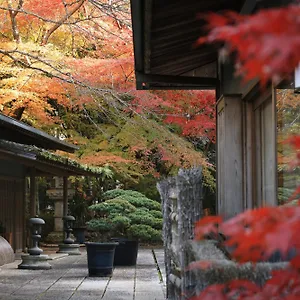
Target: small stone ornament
x,y
36,231
68,225
68,245
35,260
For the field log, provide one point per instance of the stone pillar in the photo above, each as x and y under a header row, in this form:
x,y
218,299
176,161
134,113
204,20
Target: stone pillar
x,y
58,215
181,206
60,192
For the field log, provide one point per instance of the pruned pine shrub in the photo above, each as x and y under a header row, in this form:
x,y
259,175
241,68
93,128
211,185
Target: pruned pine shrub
x,y
130,214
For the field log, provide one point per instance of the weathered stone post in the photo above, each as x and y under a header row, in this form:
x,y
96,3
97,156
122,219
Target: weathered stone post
x,y
182,206
190,209
168,193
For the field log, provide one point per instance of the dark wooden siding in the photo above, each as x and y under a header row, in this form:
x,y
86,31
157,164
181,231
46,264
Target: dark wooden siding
x,y
12,210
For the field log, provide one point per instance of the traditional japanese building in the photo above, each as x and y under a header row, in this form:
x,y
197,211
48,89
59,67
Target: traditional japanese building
x,y
165,32
25,153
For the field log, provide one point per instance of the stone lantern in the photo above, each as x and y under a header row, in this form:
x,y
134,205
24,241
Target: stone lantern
x,y
68,245
35,260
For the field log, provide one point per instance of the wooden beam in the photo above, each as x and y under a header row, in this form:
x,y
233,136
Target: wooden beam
x,y
203,82
137,8
32,208
65,196
43,168
248,7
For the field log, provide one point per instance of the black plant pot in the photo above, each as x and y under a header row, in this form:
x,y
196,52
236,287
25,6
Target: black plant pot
x,y
79,233
100,258
126,252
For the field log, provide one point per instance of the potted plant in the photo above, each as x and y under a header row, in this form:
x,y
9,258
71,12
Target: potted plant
x,y
100,258
86,191
118,219
100,251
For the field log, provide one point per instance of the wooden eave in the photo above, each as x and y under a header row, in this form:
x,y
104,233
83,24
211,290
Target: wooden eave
x,y
164,35
16,131
44,166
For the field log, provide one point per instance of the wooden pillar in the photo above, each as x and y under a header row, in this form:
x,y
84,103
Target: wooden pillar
x,y
230,155
32,208
24,208
65,195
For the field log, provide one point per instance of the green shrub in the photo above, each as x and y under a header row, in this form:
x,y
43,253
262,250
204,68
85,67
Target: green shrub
x,y
121,224
145,233
156,214
129,214
113,206
101,225
133,197
119,192
142,202
143,217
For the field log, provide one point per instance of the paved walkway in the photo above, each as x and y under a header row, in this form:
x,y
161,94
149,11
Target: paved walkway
x,y
68,280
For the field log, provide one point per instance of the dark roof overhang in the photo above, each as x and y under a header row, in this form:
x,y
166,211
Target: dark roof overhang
x,y
44,162
164,34
16,131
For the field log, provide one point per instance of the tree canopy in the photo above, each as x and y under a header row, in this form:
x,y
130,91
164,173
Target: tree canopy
x,y
67,68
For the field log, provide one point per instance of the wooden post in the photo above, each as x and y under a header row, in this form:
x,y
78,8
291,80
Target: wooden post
x,y
32,192
65,196
230,155
24,208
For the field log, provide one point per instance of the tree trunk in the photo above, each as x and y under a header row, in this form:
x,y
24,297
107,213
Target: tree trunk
x,y
51,30
12,14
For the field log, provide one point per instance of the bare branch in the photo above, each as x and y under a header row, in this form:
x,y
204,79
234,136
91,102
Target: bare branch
x,y
12,14
50,31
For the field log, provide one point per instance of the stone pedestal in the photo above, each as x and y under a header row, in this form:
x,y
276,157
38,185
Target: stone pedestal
x,y
71,249
34,262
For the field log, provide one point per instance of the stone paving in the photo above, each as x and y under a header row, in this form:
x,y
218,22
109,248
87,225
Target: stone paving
x,y
68,280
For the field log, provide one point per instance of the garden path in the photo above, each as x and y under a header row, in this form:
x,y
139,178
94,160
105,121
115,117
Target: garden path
x,y
68,280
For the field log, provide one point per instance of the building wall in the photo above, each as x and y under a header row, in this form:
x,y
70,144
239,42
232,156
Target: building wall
x,y
246,151
229,156
11,169
246,145
12,203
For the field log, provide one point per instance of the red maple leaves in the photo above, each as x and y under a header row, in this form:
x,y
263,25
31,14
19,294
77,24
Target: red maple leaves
x,y
256,235
192,111
267,43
